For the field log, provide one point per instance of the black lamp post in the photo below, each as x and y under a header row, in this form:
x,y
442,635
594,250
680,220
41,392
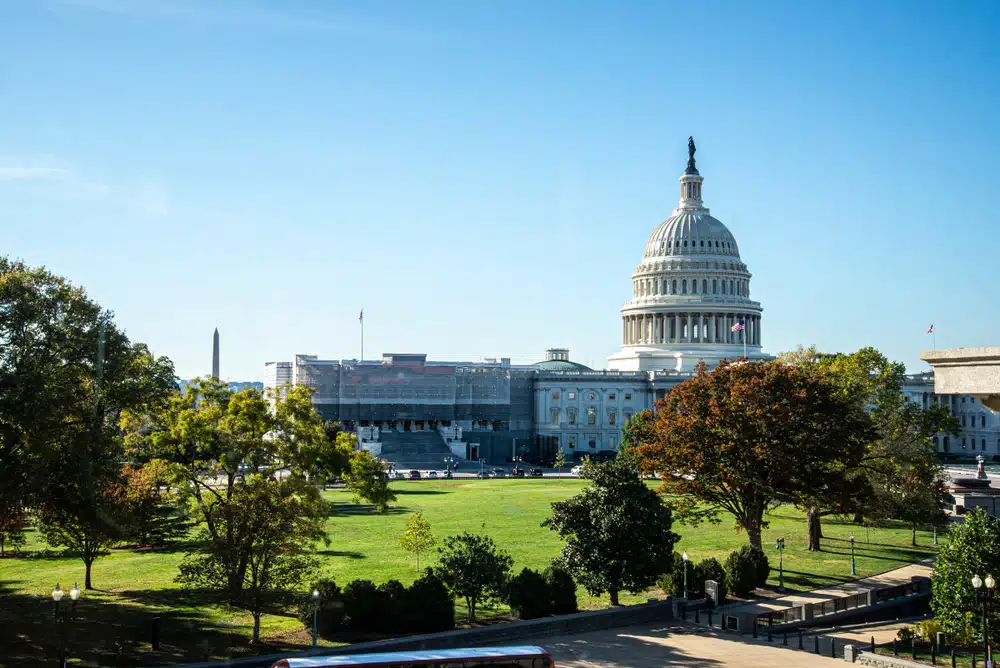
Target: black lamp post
x,y
779,545
983,595
63,617
853,569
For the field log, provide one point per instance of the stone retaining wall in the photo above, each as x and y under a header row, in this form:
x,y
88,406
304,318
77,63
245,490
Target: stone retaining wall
x,y
885,661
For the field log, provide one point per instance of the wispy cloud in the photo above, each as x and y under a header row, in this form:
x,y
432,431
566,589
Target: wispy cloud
x,y
204,14
18,173
68,182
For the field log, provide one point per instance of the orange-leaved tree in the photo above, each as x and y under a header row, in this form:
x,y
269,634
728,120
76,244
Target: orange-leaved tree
x,y
747,436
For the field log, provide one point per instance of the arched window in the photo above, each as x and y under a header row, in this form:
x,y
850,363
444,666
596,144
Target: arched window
x,y
963,419
704,285
716,244
731,288
673,287
982,445
947,447
935,442
982,421
702,243
684,287
715,286
685,243
723,286
665,291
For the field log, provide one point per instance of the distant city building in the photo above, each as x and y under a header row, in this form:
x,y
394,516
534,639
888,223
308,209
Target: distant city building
x,y
234,386
690,303
979,426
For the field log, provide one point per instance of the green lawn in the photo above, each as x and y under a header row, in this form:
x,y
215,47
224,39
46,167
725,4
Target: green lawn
x,y
135,586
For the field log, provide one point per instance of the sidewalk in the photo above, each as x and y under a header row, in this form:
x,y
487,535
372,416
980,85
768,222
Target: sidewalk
x,y
888,579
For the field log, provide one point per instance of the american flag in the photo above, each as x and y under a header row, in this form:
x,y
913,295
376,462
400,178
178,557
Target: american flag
x,y
361,316
930,330
738,327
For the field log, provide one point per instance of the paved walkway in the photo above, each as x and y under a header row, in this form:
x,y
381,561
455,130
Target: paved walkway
x,y
887,579
662,644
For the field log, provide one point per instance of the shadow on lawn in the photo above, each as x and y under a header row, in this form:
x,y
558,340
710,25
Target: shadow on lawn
x,y
350,509
409,492
112,630
338,553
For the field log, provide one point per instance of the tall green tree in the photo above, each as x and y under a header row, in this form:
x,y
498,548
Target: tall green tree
x,y
972,550
747,436
367,479
216,441
474,569
638,430
617,530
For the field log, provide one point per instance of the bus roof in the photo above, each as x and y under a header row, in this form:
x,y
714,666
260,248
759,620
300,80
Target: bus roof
x,y
524,651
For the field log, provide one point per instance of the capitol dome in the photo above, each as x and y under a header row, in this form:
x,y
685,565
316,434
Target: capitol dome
x,y
691,292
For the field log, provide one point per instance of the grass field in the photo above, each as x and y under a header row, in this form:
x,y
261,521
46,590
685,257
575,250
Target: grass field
x,y
136,586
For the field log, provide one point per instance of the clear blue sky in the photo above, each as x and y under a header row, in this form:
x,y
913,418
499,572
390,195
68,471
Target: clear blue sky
x,y
481,176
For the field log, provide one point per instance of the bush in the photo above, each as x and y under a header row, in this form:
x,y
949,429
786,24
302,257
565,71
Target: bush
x,y
928,629
363,606
672,583
528,595
905,635
561,589
430,608
330,614
746,569
392,607
711,569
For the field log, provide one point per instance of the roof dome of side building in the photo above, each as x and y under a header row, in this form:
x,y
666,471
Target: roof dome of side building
x,y
557,359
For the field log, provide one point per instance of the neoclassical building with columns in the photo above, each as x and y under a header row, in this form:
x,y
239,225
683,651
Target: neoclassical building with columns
x,y
690,303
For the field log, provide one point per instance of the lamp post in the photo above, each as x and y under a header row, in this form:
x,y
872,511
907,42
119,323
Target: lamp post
x,y
984,594
779,545
448,461
481,463
315,613
685,558
62,618
853,570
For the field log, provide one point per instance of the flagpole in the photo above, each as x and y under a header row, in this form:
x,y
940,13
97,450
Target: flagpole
x,y
362,338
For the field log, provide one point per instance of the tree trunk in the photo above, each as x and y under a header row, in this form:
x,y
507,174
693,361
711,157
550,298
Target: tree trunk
x,y
859,518
255,638
913,535
86,578
614,596
813,529
471,605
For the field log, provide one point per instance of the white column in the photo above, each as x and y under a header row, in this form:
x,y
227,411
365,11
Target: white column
x,y
711,328
687,324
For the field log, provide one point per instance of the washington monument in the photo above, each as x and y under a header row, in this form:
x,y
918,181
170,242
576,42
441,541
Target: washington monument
x,y
215,354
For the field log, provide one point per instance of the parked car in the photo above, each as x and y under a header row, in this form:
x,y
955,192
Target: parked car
x,y
432,475
516,473
398,475
576,470
414,475
483,474
535,473
498,473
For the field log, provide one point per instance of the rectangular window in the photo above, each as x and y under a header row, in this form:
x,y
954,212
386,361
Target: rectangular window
x,y
572,442
591,416
611,417
983,445
611,442
555,396
555,417
628,396
592,442
611,396
572,418
571,395
628,415
963,443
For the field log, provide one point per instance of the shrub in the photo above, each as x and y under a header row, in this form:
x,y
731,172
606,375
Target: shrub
x,y
363,606
392,609
928,629
672,583
561,589
905,634
711,569
528,595
430,608
329,614
746,569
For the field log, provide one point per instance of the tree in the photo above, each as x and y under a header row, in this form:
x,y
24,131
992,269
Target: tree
x,y
560,461
157,519
417,537
639,429
897,474
617,530
67,375
473,568
368,481
13,520
747,436
971,551
217,442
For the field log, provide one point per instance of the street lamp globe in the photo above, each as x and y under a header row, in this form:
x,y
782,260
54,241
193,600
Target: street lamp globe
x,y
315,594
57,594
74,593
684,556
990,582
977,581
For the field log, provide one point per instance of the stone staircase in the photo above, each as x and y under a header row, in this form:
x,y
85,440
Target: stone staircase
x,y
422,450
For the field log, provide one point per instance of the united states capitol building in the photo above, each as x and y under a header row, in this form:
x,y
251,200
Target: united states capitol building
x,y
691,302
